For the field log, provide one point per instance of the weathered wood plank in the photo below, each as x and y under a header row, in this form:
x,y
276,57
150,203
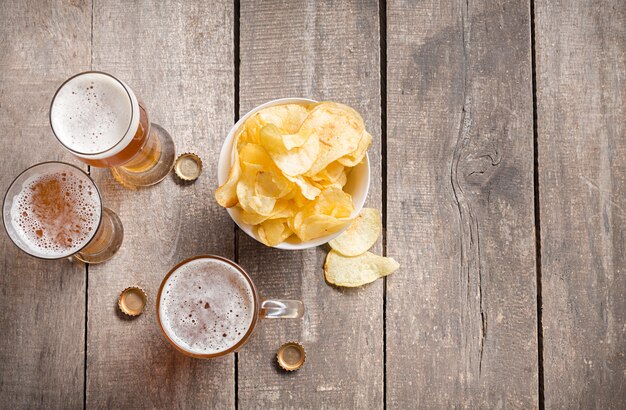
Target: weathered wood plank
x,y
461,313
178,56
581,94
321,51
43,302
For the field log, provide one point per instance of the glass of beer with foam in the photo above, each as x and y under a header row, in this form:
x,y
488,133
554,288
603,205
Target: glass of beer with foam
x,y
100,120
208,306
54,210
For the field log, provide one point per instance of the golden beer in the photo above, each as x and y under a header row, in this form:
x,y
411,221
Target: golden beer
x,y
103,123
54,210
208,306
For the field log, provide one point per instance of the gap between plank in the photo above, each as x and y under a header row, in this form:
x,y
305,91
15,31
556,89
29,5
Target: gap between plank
x,y
86,319
87,265
236,63
382,22
85,347
537,210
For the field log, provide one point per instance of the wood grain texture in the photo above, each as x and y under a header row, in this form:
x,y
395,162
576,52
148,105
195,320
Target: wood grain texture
x,y
329,51
581,94
461,313
178,57
42,303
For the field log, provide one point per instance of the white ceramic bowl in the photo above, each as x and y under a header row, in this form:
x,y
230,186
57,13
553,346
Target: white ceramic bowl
x,y
357,186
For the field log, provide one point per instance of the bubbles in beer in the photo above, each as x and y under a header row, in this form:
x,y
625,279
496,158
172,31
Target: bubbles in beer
x,y
56,214
206,306
91,113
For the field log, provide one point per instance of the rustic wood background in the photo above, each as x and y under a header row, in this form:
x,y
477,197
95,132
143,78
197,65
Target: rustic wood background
x,y
499,161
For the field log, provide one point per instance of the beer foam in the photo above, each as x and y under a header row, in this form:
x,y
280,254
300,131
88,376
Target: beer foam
x,y
206,306
93,113
55,214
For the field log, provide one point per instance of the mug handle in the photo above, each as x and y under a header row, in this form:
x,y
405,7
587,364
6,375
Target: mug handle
x,y
282,309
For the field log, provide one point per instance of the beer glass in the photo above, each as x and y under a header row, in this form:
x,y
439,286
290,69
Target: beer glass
x,y
100,120
207,306
54,210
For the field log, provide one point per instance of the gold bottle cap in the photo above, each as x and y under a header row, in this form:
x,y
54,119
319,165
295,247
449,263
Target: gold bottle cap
x,y
132,301
188,166
291,356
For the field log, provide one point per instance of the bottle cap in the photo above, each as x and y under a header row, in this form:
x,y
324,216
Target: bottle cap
x,y
291,356
188,166
132,301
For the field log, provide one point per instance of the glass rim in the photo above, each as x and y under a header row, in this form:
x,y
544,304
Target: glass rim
x,y
4,201
255,299
132,112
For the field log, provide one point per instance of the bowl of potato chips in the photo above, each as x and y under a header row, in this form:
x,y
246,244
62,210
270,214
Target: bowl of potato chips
x,y
294,172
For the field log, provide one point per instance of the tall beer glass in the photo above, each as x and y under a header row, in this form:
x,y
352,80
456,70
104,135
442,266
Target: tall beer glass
x,y
54,210
100,120
207,307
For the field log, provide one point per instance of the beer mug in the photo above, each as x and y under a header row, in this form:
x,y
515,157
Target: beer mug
x,y
208,306
54,210
103,123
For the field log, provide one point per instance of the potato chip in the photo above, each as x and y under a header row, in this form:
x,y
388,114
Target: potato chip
x,y
329,213
270,181
357,156
356,271
287,117
226,195
331,173
255,154
339,130
328,201
316,226
332,201
247,136
300,200
274,231
273,184
341,181
249,199
360,235
294,161
307,188
252,218
282,209
292,141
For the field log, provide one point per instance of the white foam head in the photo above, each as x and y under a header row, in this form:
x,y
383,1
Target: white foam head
x,y
206,306
94,115
52,210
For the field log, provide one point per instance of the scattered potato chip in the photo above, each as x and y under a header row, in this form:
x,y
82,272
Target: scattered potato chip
x,y
290,165
356,271
361,235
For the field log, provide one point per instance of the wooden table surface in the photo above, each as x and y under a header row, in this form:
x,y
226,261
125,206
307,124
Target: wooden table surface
x,y
498,160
